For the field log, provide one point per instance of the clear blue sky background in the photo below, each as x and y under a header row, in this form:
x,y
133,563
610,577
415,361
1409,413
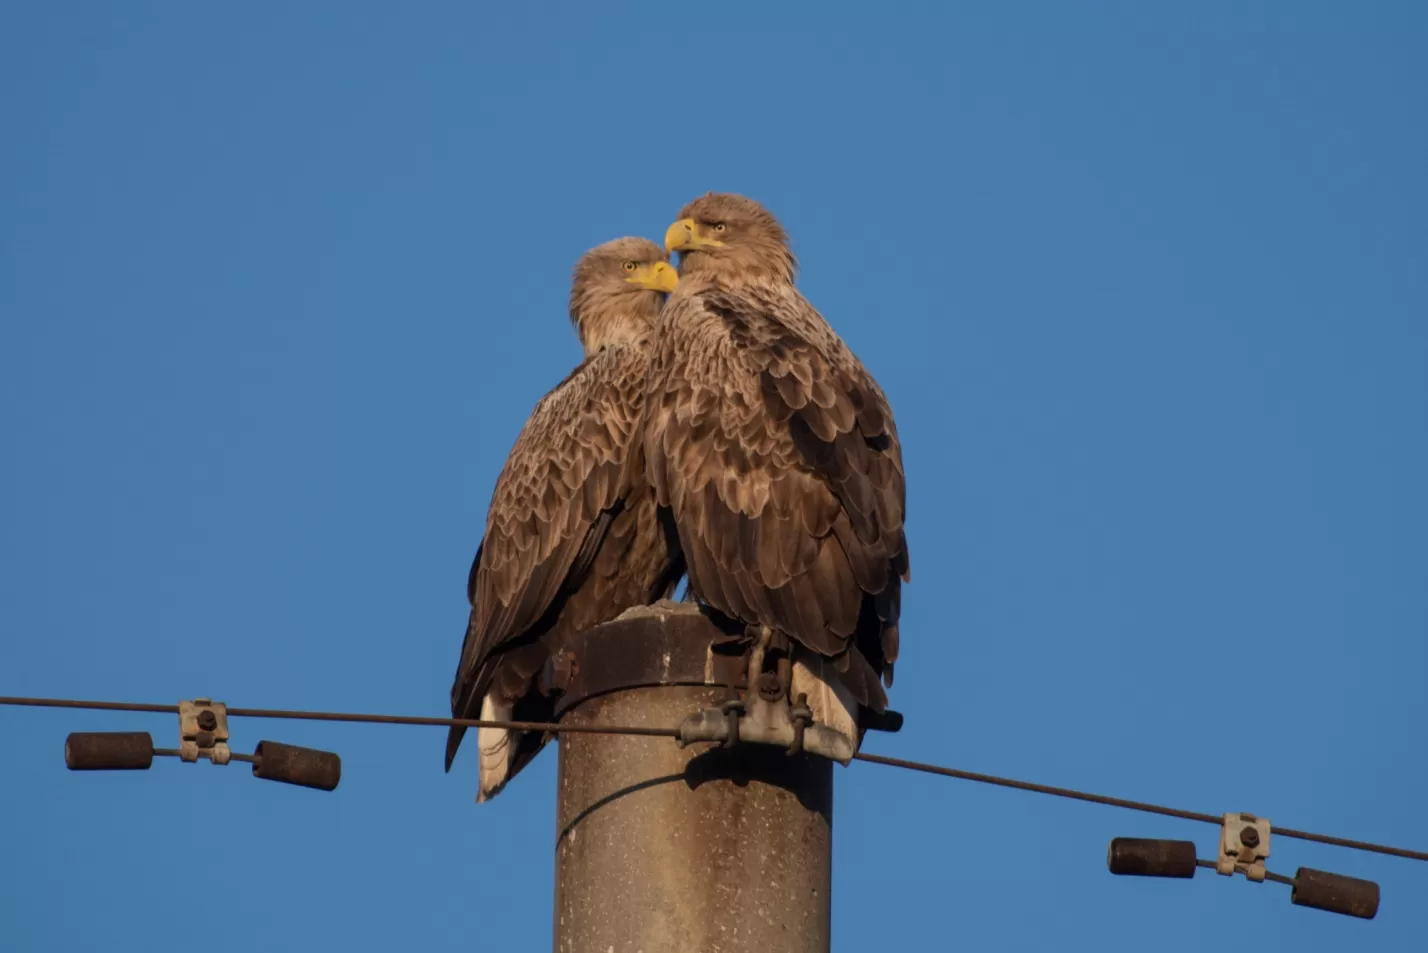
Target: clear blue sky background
x,y
1146,285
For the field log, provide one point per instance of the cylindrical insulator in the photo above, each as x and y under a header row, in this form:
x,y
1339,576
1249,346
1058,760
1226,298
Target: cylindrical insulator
x,y
109,751
1335,893
1143,857
306,767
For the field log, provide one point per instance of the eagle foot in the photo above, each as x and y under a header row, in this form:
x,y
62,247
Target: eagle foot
x,y
768,665
757,719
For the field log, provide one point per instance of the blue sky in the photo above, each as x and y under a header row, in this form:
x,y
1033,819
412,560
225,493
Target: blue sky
x,y
1146,284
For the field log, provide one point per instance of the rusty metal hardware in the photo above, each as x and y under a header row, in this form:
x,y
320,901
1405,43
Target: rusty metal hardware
x,y
203,731
1145,857
802,717
291,764
1244,846
666,644
109,751
758,720
1334,893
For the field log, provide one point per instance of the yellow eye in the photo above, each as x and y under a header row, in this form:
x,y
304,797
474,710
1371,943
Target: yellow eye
x,y
629,266
719,226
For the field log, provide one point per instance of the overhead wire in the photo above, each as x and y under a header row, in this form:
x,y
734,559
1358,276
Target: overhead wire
x,y
1130,805
560,728
350,717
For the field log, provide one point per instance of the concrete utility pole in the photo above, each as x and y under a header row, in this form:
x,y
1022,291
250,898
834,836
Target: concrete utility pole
x,y
667,850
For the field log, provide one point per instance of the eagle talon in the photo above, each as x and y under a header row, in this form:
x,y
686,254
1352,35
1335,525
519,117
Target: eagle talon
x,y
771,687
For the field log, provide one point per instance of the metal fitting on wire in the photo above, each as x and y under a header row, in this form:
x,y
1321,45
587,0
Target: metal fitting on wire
x,y
1244,846
203,734
1334,893
203,731
109,751
290,764
1144,857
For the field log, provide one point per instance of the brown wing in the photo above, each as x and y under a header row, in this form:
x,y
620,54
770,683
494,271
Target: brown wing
x,y
778,456
550,512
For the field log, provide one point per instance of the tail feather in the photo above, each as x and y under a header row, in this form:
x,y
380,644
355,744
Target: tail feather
x,y
829,699
497,748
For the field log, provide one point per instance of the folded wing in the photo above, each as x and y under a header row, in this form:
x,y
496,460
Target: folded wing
x,y
778,456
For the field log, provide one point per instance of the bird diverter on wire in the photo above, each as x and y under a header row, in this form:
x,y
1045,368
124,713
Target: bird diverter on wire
x,y
1244,847
1244,838
203,734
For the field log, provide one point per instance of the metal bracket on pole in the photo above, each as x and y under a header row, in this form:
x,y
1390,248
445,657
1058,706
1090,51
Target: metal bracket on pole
x,y
203,731
670,644
766,718
1244,846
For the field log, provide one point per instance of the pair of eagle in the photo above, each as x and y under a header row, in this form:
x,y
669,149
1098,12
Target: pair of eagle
x,y
718,427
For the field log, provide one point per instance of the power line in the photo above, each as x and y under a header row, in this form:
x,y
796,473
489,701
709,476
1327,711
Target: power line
x,y
1130,805
559,728
350,717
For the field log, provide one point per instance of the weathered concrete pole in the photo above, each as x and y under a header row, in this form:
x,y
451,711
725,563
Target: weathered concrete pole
x,y
667,850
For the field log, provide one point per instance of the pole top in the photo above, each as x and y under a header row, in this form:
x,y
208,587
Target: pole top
x,y
667,643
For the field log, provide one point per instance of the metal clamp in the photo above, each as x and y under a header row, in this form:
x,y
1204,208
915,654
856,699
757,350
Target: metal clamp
x,y
802,717
761,719
1244,846
203,731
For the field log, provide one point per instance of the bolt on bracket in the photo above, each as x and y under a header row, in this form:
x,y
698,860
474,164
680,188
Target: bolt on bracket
x,y
203,731
1244,846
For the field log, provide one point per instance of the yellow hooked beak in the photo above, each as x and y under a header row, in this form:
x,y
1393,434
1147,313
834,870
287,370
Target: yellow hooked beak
x,y
686,235
659,276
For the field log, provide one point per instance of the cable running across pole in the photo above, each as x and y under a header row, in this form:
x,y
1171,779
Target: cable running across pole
x,y
558,728
1128,805
342,716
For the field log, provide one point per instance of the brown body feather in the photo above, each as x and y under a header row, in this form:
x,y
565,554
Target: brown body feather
x,y
572,536
777,454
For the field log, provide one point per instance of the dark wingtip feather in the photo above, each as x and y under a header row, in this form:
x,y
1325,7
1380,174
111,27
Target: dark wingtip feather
x,y
858,675
453,741
892,645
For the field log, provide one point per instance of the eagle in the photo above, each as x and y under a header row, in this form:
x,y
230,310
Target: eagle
x,y
572,535
776,456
